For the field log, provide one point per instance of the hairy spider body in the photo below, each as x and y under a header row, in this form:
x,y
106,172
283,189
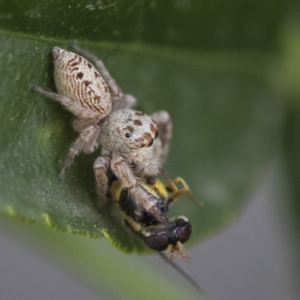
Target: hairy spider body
x,y
105,116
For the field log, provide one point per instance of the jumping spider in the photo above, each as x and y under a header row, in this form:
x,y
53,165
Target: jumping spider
x,y
105,116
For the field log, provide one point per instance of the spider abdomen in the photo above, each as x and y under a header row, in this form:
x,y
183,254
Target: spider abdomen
x,y
77,79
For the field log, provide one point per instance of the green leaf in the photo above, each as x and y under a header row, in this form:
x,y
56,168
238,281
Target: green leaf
x,y
192,24
226,123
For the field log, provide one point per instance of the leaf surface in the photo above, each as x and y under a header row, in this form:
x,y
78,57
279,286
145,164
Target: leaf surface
x,y
225,127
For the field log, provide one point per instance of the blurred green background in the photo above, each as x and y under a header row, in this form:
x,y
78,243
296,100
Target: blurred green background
x,y
227,72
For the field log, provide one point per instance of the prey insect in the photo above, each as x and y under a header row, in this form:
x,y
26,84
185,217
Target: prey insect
x,y
104,116
167,235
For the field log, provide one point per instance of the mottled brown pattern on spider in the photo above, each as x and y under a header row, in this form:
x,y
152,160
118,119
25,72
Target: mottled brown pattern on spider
x,y
75,78
147,136
138,123
139,113
97,75
79,75
118,129
153,128
129,128
87,83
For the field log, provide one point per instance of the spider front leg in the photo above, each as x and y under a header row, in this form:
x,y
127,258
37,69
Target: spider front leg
x,y
101,165
85,142
128,101
122,170
120,100
71,105
80,125
165,129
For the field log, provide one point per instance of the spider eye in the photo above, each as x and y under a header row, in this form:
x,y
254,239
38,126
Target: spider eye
x,y
157,242
127,135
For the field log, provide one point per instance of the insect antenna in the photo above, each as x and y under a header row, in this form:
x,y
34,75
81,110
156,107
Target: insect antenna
x,y
187,277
